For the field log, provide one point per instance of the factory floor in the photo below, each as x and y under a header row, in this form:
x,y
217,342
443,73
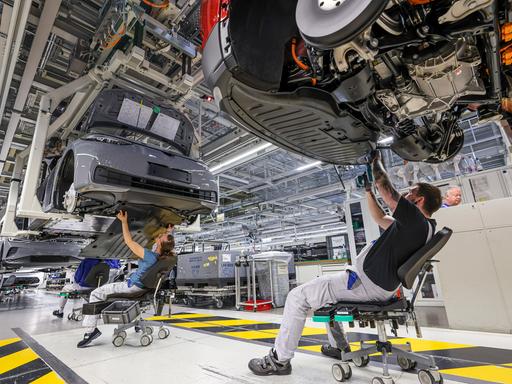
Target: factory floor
x,y
214,346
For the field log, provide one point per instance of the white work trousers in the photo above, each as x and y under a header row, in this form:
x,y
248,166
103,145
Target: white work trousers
x,y
75,287
101,294
68,288
318,293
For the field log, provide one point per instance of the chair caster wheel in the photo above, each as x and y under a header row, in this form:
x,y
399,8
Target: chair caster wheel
x,y
163,333
148,330
383,380
79,317
405,363
219,304
118,340
145,340
430,377
341,372
70,316
361,361
123,334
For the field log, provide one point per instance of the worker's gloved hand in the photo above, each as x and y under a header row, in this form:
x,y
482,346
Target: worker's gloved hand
x,y
366,183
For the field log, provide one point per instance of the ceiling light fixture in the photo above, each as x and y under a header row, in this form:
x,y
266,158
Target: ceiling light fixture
x,y
307,166
240,157
386,140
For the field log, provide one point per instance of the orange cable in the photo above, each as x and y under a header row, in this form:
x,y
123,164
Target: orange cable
x,y
154,5
505,47
119,35
299,63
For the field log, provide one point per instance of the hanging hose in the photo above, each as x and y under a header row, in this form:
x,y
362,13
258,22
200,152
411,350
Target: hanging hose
x,y
165,4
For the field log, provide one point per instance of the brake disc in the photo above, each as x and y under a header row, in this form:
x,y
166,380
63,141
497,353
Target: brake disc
x,y
327,24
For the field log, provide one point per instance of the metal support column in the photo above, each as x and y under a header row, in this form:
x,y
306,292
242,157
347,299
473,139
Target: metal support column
x,y
29,205
9,227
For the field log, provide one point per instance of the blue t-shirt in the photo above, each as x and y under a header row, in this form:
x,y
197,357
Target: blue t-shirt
x,y
150,258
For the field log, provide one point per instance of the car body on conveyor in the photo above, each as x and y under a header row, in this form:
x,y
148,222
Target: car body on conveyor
x,y
135,151
329,79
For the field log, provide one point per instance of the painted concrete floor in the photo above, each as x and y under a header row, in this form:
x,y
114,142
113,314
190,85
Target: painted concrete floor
x,y
189,355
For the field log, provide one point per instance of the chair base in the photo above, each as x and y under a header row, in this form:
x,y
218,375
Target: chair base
x,y
140,325
407,360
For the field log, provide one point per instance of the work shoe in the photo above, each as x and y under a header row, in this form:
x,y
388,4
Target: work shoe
x,y
329,350
58,314
88,337
269,365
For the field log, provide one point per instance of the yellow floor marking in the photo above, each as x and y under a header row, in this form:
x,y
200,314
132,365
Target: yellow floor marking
x,y
179,316
217,323
16,359
314,348
269,333
419,345
49,378
9,341
317,348
485,372
250,335
309,331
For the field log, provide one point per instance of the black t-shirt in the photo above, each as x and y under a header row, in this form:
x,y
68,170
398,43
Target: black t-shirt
x,y
401,239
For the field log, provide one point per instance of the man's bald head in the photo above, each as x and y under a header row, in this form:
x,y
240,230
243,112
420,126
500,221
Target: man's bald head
x,y
453,196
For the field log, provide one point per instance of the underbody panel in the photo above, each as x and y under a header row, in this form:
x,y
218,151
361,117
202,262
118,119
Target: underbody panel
x,y
305,122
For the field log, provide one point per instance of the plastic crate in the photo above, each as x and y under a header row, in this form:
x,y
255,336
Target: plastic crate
x,y
94,308
121,312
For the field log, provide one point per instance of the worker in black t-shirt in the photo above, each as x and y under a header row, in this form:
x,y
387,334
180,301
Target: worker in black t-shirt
x,y
372,277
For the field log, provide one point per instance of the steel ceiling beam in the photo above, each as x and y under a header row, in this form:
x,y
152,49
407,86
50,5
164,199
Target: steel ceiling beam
x,y
15,34
44,27
4,28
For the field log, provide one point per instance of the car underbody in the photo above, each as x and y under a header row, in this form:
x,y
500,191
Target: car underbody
x,y
331,79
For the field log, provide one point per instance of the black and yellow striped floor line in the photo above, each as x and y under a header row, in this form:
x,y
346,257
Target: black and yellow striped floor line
x,y
21,365
462,362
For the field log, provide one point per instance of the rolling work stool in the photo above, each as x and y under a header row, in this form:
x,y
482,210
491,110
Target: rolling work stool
x,y
397,311
126,309
97,276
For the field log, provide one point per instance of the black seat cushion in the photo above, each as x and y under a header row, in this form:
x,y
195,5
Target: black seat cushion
x,y
393,304
129,295
378,306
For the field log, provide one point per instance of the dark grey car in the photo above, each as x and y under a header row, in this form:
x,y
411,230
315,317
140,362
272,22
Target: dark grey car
x,y
135,152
